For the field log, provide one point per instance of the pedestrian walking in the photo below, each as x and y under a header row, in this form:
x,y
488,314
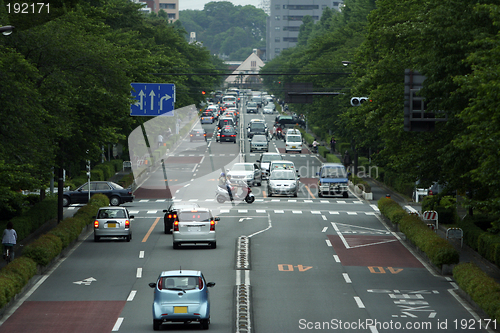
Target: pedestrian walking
x,y
9,239
332,144
347,160
160,140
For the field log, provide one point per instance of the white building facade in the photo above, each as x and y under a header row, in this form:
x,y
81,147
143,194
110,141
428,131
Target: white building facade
x,y
285,18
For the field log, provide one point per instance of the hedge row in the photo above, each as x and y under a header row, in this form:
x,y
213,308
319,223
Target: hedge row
x,y
35,217
43,250
437,249
361,184
483,289
485,243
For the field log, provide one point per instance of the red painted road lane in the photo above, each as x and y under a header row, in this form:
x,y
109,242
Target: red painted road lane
x,y
64,317
156,192
309,181
385,251
303,151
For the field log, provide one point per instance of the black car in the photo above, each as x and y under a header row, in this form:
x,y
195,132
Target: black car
x,y
171,214
197,134
116,194
257,128
228,134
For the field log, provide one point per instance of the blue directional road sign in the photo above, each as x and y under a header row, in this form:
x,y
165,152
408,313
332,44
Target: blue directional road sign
x,y
153,99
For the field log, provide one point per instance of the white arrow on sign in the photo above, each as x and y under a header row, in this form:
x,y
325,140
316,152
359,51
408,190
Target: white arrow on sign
x,y
141,102
86,281
152,94
244,218
164,98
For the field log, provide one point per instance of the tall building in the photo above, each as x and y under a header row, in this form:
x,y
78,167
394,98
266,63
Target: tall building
x,y
284,22
169,6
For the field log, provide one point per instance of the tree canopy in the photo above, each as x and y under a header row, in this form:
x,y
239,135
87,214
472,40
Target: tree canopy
x,y
454,44
65,88
227,30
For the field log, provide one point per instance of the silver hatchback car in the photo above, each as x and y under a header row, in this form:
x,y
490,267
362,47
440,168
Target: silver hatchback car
x,y
195,227
113,222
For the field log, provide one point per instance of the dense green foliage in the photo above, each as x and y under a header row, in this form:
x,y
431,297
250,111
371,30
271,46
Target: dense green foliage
x,y
227,30
483,289
454,44
65,85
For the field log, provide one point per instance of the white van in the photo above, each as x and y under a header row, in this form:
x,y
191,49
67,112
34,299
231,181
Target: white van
x,y
293,140
230,100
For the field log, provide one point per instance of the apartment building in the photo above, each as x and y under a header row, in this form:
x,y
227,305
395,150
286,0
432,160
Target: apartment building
x,y
285,18
171,7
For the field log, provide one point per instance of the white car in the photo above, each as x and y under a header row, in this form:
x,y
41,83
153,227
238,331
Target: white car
x,y
194,226
268,109
248,172
283,182
265,162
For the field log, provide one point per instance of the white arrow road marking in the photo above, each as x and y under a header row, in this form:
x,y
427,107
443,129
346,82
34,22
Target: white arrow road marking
x,y
86,281
244,218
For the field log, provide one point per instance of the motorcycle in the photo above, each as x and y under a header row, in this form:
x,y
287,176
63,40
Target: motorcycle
x,y
222,195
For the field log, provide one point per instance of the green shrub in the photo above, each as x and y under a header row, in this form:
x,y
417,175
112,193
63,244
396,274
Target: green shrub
x,y
35,217
97,175
23,267
44,249
322,150
331,158
7,289
362,184
70,228
483,289
438,250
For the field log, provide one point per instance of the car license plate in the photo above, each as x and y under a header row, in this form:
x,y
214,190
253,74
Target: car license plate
x,y
190,229
180,309
294,147
111,225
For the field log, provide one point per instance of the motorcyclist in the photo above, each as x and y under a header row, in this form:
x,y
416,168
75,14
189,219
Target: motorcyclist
x,y
315,146
279,132
229,186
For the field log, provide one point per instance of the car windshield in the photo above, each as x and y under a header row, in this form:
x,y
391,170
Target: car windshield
x,y
269,158
258,125
180,282
293,138
252,104
333,172
282,175
286,166
194,216
242,167
259,138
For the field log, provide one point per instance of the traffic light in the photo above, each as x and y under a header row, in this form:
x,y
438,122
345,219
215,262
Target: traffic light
x,y
357,101
203,92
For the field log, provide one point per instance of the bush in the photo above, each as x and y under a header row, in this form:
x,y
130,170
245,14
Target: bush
x,y
322,150
480,287
331,158
23,267
438,250
32,219
44,249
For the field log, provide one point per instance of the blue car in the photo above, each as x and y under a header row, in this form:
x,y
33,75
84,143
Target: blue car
x,y
333,180
181,296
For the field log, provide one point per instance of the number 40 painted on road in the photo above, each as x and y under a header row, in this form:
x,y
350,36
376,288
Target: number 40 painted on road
x,y
290,268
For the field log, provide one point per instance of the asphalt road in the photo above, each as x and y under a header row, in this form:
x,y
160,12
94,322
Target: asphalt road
x,y
312,264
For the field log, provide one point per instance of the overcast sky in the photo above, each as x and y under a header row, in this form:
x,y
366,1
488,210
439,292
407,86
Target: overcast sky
x,y
199,4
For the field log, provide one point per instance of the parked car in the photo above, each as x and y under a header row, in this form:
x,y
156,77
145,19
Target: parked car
x,y
197,134
228,134
332,180
248,172
194,227
283,182
259,142
181,296
113,222
116,193
172,211
265,161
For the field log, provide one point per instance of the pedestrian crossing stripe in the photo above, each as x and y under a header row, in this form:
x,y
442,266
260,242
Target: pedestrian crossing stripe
x,y
265,211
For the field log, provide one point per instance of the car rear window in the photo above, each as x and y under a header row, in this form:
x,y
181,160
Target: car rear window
x,y
180,282
111,213
194,216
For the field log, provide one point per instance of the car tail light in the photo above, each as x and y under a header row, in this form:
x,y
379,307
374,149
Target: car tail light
x,y
127,224
430,192
212,225
176,225
200,283
160,284
96,224
190,134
